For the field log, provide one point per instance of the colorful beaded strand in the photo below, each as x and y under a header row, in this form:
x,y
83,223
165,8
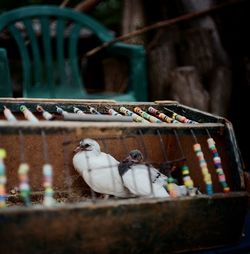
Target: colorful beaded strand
x,y
188,182
78,111
161,115
47,184
172,188
93,111
48,199
24,183
180,118
203,165
135,117
145,115
46,115
28,114
112,112
204,169
60,111
3,178
218,165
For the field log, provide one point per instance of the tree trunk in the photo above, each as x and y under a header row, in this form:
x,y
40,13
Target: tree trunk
x,y
208,55
133,19
115,75
161,61
220,90
187,88
196,49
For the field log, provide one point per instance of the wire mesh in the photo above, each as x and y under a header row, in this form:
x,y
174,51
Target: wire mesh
x,y
164,150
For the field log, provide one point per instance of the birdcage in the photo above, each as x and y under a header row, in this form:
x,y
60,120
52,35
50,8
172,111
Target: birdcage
x,y
193,148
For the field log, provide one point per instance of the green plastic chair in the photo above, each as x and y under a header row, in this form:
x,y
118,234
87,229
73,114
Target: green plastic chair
x,y
40,62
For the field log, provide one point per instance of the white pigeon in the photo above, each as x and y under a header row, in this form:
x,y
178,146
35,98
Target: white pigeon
x,y
98,169
140,178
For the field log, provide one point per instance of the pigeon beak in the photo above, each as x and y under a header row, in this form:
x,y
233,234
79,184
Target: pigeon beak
x,y
78,149
81,148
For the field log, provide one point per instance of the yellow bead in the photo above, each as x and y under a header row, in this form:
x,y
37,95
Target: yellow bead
x,y
185,172
204,171
23,168
189,183
2,204
170,187
3,153
207,178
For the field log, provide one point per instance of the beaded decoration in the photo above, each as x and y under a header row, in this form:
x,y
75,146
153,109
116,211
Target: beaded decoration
x,y
3,179
145,115
60,111
8,115
112,112
78,111
28,114
94,111
46,115
172,187
47,184
135,117
180,118
204,169
24,183
188,182
217,164
161,115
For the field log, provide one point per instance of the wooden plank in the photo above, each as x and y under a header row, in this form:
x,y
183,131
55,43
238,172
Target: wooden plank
x,y
127,226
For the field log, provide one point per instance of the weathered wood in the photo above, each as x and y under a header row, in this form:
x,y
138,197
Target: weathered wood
x,y
129,226
141,225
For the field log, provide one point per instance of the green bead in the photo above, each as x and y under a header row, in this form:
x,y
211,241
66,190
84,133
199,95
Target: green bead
x,y
23,108
170,180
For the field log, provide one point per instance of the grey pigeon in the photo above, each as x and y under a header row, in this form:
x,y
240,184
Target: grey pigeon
x,y
140,178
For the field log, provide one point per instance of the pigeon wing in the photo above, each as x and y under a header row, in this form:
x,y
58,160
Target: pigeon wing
x,y
137,180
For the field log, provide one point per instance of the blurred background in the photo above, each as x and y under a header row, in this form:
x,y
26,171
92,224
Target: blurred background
x,y
200,56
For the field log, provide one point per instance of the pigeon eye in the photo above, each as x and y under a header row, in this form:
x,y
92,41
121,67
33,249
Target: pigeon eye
x,y
82,144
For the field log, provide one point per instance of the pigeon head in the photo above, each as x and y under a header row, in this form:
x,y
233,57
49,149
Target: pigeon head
x,y
88,144
136,156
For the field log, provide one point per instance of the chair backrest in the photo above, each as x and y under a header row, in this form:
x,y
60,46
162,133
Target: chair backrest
x,y
48,43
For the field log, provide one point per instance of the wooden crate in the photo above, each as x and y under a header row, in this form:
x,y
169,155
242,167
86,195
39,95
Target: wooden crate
x,y
83,222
